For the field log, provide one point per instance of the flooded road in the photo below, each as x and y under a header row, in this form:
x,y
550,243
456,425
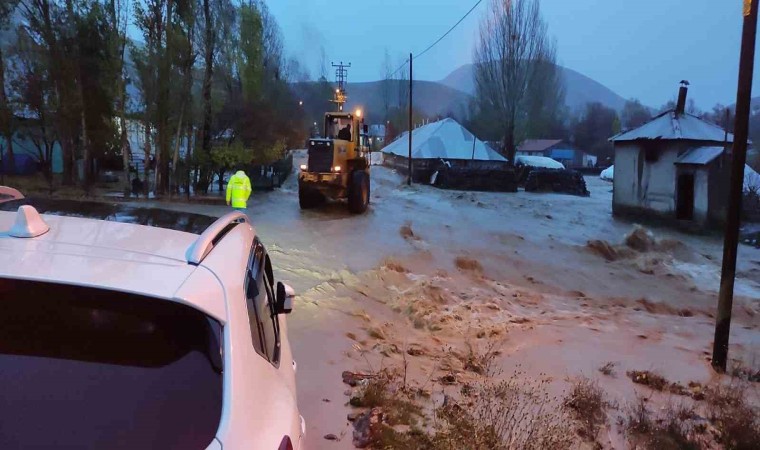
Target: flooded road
x,y
404,271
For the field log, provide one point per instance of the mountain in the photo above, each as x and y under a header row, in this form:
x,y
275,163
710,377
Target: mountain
x,y
579,89
451,96
430,97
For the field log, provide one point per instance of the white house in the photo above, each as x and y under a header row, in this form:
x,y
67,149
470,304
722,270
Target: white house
x,y
673,167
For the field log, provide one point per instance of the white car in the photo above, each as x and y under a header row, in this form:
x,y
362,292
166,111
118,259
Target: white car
x,y
123,336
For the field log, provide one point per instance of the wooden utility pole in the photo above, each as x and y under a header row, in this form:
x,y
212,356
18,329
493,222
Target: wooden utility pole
x,y
411,77
738,159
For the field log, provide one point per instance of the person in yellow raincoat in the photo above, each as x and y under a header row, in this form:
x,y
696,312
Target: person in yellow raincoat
x,y
238,191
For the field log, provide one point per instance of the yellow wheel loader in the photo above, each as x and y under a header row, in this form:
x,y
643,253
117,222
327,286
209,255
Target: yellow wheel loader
x,y
338,165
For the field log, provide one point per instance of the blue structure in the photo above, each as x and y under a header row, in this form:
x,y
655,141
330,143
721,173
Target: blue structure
x,y
26,156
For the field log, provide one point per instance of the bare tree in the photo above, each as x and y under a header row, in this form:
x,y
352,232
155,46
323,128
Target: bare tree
x,y
513,50
387,86
7,9
118,21
209,52
634,114
402,84
33,90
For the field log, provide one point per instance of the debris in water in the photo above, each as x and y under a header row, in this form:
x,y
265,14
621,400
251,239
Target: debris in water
x,y
466,263
407,232
354,378
640,239
604,249
367,428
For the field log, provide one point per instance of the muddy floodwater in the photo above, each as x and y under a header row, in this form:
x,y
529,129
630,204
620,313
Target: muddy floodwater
x,y
559,285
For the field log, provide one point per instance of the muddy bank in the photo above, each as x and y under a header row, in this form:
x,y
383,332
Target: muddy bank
x,y
445,322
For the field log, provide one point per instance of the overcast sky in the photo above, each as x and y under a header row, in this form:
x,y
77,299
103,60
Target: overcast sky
x,y
637,48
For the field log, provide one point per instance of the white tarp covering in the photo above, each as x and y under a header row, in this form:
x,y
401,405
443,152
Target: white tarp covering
x,y
445,139
751,179
538,161
608,173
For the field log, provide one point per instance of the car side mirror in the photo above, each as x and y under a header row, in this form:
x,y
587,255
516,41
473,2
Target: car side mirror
x,y
366,128
285,296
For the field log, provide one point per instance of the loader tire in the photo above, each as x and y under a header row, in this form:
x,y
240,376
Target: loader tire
x,y
358,192
309,198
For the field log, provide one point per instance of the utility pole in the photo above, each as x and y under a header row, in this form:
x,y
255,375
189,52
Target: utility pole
x,y
341,75
738,159
409,178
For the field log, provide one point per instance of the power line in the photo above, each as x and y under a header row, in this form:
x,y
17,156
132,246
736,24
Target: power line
x,y
440,38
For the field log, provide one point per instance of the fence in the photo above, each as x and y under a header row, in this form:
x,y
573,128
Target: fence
x,y
465,174
270,176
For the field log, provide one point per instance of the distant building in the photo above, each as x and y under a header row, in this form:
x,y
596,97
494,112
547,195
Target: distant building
x,y
558,150
673,167
377,136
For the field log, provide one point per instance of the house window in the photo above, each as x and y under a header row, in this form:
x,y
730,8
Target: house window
x,y
651,153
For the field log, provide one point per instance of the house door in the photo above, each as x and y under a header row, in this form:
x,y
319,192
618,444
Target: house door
x,y
685,197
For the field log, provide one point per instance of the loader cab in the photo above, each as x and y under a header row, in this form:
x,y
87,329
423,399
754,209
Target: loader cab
x,y
343,126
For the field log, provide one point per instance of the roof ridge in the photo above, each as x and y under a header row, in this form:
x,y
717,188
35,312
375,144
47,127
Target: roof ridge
x,y
707,122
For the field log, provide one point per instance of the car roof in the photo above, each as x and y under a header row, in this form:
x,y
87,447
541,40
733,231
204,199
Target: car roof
x,y
118,255
115,212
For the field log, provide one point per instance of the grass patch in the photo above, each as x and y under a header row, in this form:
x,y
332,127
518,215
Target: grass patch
x,y
737,422
376,333
656,381
500,415
608,369
587,404
671,430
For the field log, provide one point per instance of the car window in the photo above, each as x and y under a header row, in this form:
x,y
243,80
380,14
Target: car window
x,y
89,368
252,290
265,328
270,321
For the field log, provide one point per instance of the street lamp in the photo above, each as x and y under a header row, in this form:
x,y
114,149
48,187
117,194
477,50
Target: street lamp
x,y
300,103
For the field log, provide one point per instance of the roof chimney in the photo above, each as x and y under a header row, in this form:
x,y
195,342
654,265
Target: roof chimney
x,y
682,91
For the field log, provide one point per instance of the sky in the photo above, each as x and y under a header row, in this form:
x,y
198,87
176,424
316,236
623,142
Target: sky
x,y
638,48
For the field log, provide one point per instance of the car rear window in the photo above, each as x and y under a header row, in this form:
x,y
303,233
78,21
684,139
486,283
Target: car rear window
x,y
90,368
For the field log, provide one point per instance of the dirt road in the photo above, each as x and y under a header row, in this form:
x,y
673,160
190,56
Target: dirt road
x,y
447,271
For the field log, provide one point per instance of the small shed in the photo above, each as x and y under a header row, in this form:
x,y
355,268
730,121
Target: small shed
x,y
673,167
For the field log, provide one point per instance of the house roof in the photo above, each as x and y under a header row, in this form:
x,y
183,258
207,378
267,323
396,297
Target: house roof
x,y
445,139
671,126
700,155
537,145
